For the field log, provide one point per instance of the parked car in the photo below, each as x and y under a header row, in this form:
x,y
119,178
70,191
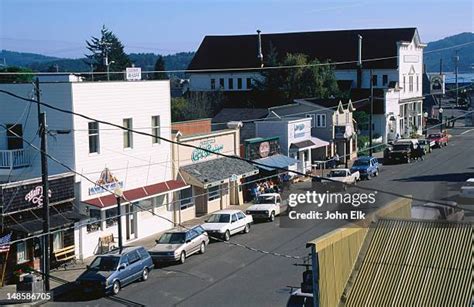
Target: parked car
x,y
222,224
402,151
179,243
266,207
440,139
112,271
367,167
427,145
336,180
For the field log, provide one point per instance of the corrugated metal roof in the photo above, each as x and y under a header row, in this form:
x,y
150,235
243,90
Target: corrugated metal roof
x,y
416,263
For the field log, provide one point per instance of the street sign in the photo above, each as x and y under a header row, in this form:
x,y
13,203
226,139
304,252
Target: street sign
x,y
134,73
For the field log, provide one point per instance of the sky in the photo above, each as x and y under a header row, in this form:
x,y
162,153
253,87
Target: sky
x,y
61,27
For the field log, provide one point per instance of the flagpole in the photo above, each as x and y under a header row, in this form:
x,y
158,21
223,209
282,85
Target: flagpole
x,y
5,267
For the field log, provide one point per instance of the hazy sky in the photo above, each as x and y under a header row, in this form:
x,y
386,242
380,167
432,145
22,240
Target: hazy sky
x,y
59,28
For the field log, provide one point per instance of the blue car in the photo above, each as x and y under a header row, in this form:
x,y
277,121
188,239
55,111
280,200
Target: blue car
x,y
110,272
367,167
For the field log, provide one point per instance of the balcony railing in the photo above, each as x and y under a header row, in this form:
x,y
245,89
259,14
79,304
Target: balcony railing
x,y
16,158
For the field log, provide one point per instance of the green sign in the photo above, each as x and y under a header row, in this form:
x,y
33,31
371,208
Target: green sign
x,y
210,148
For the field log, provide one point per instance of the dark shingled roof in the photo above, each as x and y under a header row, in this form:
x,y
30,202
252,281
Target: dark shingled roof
x,y
362,93
240,51
219,169
239,114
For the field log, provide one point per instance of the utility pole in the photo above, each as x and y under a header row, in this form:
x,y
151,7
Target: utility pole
x,y
371,111
44,177
456,60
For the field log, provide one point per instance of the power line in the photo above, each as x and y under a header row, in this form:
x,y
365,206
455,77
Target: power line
x,y
239,69
212,152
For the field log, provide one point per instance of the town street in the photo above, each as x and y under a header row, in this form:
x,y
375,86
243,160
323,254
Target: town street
x,y
234,276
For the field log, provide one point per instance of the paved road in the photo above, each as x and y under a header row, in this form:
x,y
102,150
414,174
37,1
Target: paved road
x,y
233,276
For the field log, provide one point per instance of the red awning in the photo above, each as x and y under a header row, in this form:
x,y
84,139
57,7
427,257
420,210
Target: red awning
x,y
138,193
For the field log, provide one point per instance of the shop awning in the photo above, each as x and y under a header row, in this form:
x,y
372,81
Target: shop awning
x,y
138,193
319,142
216,171
57,220
275,162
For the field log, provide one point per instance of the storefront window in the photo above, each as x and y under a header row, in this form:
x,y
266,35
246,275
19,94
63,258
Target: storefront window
x,y
95,216
21,252
111,217
213,193
58,241
186,197
160,201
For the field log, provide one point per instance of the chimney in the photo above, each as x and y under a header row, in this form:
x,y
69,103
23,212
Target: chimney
x,y
260,54
359,63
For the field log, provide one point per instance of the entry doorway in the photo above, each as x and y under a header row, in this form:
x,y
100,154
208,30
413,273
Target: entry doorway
x,y
131,222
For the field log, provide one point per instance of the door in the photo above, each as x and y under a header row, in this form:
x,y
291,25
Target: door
x,y
131,222
234,224
193,245
124,275
135,265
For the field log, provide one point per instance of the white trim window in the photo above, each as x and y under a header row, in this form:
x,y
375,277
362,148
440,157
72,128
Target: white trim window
x,y
213,193
127,135
186,198
410,83
155,129
21,252
313,119
93,132
321,120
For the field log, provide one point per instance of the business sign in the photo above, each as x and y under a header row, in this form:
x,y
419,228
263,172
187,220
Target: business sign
x,y
208,148
261,148
106,183
134,73
27,195
437,84
299,130
35,196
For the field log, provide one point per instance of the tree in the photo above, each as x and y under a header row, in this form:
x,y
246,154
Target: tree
x,y
26,75
302,79
107,48
160,66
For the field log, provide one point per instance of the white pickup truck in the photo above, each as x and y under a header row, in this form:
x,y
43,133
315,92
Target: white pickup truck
x,y
341,176
266,207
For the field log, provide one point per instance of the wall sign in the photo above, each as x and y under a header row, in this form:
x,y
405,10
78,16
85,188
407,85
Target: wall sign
x,y
437,83
299,130
261,148
28,195
35,196
106,183
199,154
134,73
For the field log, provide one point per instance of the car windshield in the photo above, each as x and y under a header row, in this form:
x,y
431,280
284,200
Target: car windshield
x,y
361,163
265,200
401,146
338,174
434,136
105,263
219,218
172,238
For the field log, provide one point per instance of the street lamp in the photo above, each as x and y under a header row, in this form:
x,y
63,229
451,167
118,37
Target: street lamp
x,y
440,111
425,116
118,195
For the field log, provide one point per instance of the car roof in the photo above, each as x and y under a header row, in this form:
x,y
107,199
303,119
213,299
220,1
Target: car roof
x,y
365,158
124,250
229,211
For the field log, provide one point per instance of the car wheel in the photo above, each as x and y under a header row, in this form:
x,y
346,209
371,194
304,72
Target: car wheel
x,y
272,216
227,236
202,249
116,287
182,257
247,228
368,176
376,173
145,274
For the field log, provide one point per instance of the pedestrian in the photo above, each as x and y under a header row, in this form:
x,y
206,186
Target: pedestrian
x,y
336,159
420,152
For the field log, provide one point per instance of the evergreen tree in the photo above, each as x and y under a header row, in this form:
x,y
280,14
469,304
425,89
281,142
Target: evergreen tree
x,y
160,66
110,47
